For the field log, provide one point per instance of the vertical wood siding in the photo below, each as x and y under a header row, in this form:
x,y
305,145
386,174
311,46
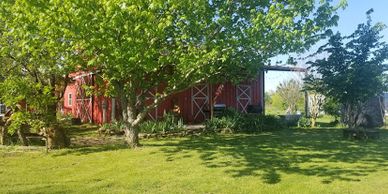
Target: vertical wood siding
x,y
183,100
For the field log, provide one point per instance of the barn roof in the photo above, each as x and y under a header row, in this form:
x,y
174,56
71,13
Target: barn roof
x,y
284,68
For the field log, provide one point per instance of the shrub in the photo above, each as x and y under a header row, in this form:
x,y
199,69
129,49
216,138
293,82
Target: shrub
x,y
230,112
114,128
65,117
234,121
169,123
272,122
221,124
304,122
250,123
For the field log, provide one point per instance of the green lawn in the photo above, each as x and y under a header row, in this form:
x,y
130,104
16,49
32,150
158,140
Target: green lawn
x,y
284,161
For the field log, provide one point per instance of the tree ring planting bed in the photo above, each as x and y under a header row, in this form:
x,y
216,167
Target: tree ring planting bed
x,y
361,133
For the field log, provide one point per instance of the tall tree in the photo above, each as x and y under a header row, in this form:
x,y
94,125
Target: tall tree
x,y
168,46
291,93
316,101
35,53
172,45
353,72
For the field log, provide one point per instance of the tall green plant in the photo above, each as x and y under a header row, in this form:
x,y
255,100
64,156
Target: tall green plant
x,y
353,70
333,108
291,93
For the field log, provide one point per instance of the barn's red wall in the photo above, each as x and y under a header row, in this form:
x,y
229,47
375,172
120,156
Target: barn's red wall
x,y
66,108
183,100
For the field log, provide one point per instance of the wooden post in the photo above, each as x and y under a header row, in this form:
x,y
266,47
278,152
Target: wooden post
x,y
2,134
211,107
104,106
262,92
306,101
113,111
92,99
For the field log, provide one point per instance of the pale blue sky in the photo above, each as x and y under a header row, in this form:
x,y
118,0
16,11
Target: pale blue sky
x,y
350,17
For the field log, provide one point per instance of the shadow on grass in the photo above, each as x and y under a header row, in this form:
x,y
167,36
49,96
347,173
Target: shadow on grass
x,y
327,124
82,130
319,152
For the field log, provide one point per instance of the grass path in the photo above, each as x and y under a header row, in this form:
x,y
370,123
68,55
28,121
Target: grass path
x,y
286,161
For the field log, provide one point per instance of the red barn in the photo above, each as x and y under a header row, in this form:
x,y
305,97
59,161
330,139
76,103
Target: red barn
x,y
193,103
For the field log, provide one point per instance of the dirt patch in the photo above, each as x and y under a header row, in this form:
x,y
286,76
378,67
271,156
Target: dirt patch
x,y
96,141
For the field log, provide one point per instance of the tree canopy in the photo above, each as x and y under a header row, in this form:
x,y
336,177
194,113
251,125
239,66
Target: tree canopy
x,y
353,70
168,46
35,56
291,93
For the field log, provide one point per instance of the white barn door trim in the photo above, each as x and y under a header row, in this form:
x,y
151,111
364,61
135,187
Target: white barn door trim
x,y
243,97
84,102
199,100
151,95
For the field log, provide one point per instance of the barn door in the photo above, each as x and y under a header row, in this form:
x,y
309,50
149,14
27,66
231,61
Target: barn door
x,y
199,101
243,97
150,98
84,101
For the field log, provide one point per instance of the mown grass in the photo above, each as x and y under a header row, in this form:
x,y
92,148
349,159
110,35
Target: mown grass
x,y
284,161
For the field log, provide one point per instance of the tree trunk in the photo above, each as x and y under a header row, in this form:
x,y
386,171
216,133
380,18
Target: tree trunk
x,y
3,135
56,138
129,113
352,114
132,137
372,114
313,121
134,111
22,137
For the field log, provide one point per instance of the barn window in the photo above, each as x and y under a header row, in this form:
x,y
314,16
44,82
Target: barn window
x,y
3,109
70,99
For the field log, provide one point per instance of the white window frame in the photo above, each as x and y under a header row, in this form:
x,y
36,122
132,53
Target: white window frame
x,y
70,99
2,107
